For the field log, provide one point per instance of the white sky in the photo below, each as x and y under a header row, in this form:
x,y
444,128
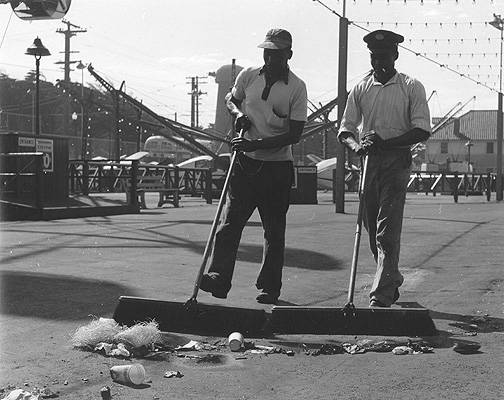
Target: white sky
x,y
155,44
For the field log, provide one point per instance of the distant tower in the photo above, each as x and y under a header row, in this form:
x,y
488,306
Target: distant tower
x,y
224,77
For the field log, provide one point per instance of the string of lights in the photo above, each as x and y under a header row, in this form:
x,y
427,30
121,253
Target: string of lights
x,y
422,55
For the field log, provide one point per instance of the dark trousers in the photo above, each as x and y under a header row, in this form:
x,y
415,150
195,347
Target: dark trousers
x,y
384,197
264,185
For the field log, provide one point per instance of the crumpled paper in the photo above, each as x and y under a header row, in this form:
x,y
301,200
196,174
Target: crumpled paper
x,y
113,350
173,374
20,394
195,345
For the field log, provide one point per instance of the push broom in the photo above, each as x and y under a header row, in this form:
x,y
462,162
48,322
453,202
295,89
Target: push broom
x,y
350,320
191,316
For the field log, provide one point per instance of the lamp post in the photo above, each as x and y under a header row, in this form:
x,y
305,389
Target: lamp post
x,y
498,23
81,66
38,50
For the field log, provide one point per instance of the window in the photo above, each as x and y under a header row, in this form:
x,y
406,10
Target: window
x,y
444,147
490,148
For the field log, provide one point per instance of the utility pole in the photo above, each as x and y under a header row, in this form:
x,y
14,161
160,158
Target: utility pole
x,y
498,23
339,184
66,63
195,94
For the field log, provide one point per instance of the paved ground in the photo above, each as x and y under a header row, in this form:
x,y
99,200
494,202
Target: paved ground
x,y
55,274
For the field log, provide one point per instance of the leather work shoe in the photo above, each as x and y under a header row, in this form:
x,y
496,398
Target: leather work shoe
x,y
267,298
377,303
211,285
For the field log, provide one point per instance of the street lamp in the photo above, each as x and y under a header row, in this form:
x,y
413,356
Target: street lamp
x,y
498,23
38,50
81,66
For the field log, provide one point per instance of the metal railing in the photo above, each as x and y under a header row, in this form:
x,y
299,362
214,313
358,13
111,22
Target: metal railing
x,y
87,177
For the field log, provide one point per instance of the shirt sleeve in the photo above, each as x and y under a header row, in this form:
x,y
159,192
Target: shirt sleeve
x,y
299,105
419,109
238,90
352,116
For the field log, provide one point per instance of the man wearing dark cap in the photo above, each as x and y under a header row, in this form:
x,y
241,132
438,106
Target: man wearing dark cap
x,y
385,114
269,104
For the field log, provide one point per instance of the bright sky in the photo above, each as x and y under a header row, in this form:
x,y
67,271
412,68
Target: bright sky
x,y
154,45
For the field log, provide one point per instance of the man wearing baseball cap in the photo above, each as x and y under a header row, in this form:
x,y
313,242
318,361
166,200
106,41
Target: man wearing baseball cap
x,y
269,104
387,111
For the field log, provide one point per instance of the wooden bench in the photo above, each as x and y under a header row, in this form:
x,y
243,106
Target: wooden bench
x,y
155,183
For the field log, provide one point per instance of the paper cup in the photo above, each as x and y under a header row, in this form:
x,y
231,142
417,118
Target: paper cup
x,y
129,374
235,341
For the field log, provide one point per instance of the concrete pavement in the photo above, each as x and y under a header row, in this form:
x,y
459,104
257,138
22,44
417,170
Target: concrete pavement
x,y
55,274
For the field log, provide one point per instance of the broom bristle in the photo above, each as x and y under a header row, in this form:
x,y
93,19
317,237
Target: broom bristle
x,y
141,334
97,331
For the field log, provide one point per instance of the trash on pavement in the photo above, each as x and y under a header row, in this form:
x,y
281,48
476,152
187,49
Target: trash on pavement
x,y
401,350
328,349
353,348
194,345
20,394
134,374
235,341
113,350
105,393
173,374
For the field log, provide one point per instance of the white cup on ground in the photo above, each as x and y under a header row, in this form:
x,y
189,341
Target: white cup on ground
x,y
129,374
235,341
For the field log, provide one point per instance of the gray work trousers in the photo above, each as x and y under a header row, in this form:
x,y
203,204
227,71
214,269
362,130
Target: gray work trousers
x,y
384,197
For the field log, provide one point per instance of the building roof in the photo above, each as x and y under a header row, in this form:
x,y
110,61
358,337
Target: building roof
x,y
474,125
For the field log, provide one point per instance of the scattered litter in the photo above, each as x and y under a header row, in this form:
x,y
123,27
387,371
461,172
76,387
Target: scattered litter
x,y
173,374
134,374
20,394
412,348
194,345
235,341
105,393
328,349
470,333
37,394
84,379
353,348
65,383
466,348
401,350
97,331
141,334
241,357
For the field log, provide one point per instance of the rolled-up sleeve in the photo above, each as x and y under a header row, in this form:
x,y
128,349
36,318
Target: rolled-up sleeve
x,y
352,116
299,105
419,109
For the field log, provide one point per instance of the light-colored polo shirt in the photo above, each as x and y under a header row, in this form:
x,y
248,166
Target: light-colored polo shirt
x,y
390,109
270,117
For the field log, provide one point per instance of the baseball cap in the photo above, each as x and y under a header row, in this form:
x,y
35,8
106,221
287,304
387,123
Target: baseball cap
x,y
277,39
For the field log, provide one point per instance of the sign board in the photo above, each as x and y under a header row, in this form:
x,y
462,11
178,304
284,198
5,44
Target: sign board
x,y
26,142
46,147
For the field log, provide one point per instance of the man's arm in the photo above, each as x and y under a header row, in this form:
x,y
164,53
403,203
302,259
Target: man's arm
x,y
292,137
415,135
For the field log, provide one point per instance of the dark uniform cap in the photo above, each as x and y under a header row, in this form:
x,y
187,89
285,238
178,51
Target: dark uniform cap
x,y
277,39
382,39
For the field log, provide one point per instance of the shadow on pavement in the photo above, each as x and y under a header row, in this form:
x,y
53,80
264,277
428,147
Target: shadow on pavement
x,y
57,297
294,258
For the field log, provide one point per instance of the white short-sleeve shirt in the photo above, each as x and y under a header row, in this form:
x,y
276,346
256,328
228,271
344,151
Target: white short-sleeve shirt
x,y
390,109
270,117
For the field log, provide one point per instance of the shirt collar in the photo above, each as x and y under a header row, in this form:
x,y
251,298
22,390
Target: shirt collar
x,y
284,76
391,81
